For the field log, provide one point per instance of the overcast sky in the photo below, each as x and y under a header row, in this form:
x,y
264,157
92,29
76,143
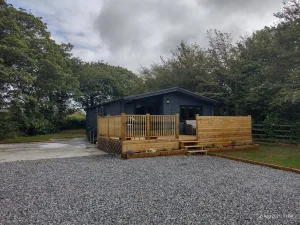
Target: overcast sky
x,y
135,33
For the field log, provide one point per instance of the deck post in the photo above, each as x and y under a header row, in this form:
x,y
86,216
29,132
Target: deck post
x,y
108,126
196,116
123,126
148,126
177,126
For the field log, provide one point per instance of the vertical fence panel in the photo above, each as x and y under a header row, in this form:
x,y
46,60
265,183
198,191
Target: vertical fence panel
x,y
135,125
138,126
163,125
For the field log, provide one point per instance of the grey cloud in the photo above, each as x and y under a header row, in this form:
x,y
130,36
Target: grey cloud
x,y
137,32
124,24
131,33
241,6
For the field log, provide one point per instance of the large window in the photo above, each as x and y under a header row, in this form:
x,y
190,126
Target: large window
x,y
189,112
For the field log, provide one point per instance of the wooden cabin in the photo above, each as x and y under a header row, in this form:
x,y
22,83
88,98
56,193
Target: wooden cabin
x,y
163,102
165,122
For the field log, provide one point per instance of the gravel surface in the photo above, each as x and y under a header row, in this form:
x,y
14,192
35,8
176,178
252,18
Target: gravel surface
x,y
165,190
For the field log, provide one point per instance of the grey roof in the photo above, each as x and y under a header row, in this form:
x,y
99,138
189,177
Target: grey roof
x,y
160,92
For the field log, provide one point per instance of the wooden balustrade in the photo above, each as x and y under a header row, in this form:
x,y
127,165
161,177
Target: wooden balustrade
x,y
163,126
138,126
135,125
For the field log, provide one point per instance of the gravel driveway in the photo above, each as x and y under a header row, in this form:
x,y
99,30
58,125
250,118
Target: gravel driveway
x,y
166,190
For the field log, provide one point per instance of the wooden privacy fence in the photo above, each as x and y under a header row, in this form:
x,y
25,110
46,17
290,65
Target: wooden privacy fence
x,y
109,126
224,130
138,126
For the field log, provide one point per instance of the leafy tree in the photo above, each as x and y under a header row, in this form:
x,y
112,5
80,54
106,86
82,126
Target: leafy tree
x,y
35,74
100,82
288,31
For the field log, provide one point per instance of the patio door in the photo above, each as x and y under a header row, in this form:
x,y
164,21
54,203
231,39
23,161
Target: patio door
x,y
188,112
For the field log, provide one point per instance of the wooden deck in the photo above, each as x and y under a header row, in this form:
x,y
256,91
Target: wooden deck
x,y
150,135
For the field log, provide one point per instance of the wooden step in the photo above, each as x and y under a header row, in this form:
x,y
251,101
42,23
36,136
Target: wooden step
x,y
189,141
197,151
193,146
183,144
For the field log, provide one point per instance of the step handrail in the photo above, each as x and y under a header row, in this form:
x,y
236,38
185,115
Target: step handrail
x,y
91,133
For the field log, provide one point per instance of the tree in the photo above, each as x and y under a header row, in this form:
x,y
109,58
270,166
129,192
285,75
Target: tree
x,y
288,31
290,12
100,82
35,74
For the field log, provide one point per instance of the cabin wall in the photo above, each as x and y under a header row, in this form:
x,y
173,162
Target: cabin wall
x,y
91,118
177,99
113,108
157,101
129,108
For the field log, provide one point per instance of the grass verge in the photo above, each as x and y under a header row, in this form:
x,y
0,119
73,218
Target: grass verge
x,y
40,138
277,154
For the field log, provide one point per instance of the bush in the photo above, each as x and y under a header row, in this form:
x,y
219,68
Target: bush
x,y
8,128
35,126
269,123
74,121
296,131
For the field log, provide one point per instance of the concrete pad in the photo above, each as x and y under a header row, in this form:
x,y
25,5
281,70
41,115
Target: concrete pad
x,y
62,148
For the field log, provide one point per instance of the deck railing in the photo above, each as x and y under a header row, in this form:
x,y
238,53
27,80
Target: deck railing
x,y
138,126
135,126
163,126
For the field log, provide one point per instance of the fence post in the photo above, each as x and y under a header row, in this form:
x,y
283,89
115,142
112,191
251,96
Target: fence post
x,y
148,126
196,116
123,126
249,116
177,126
108,126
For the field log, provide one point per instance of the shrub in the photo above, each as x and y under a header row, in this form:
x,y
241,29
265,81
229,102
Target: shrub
x,y
8,128
295,131
35,126
269,123
74,121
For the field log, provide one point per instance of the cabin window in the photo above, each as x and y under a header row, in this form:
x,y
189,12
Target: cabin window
x,y
189,112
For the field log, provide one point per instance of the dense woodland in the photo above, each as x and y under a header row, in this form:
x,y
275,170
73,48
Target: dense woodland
x,y
43,87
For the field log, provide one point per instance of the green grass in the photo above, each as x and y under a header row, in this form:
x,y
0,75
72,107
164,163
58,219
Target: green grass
x,y
39,138
278,154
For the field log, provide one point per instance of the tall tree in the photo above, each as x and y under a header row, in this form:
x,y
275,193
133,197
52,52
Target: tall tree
x,y
36,79
100,82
